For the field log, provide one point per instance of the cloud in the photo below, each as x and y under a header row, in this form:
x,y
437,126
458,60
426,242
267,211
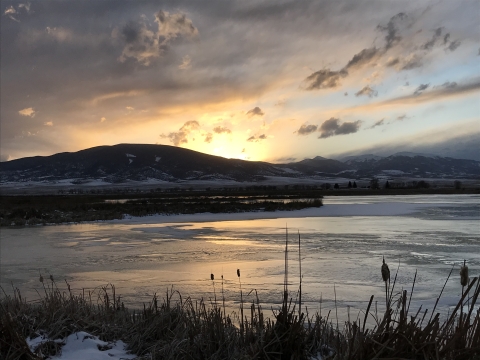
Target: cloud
x,y
391,31
392,61
454,45
367,91
186,63
144,44
257,138
102,119
421,88
180,137
436,35
402,117
221,130
329,79
434,94
130,108
331,127
48,123
27,112
412,61
450,85
306,129
255,111
364,57
208,138
324,79
378,123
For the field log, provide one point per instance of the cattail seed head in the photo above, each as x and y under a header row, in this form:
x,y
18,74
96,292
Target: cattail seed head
x,y
51,277
385,271
464,274
41,278
238,272
212,277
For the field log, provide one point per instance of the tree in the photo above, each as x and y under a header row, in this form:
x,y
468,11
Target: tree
x,y
387,185
349,184
457,184
374,183
354,184
336,186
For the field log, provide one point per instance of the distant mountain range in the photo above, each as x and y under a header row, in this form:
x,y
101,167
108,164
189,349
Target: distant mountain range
x,y
124,162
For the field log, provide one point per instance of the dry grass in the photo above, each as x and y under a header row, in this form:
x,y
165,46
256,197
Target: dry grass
x,y
180,328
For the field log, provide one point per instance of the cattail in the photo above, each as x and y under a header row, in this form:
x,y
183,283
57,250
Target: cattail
x,y
385,271
212,277
464,274
238,272
41,278
51,277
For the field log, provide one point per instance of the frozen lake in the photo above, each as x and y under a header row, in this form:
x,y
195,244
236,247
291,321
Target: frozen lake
x,y
342,243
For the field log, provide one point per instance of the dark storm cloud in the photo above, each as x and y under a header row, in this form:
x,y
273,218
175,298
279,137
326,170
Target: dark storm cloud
x,y
181,136
256,111
306,129
367,91
421,88
332,127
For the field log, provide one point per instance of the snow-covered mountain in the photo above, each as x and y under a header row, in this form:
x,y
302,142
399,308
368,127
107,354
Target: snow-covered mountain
x,y
124,162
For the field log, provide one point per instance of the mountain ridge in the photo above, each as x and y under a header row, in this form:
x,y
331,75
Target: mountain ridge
x,y
141,162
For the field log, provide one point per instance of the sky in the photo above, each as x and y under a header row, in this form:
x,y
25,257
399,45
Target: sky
x,y
263,80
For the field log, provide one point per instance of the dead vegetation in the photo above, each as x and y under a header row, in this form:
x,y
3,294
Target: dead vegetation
x,y
177,328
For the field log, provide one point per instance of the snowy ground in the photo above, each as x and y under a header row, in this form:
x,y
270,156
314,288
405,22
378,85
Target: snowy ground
x,y
83,346
329,210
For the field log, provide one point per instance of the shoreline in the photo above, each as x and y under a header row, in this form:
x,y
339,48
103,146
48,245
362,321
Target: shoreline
x,y
332,210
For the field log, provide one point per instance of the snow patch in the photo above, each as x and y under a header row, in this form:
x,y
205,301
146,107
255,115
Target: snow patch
x,y
130,161
393,172
158,158
82,345
130,156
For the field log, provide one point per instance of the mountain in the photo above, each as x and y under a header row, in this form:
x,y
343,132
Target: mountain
x,y
140,162
410,164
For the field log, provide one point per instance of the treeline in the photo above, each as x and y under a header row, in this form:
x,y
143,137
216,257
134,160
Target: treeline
x,y
34,210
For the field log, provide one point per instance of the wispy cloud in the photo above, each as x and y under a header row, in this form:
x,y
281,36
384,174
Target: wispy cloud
x,y
421,88
367,91
378,123
186,63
